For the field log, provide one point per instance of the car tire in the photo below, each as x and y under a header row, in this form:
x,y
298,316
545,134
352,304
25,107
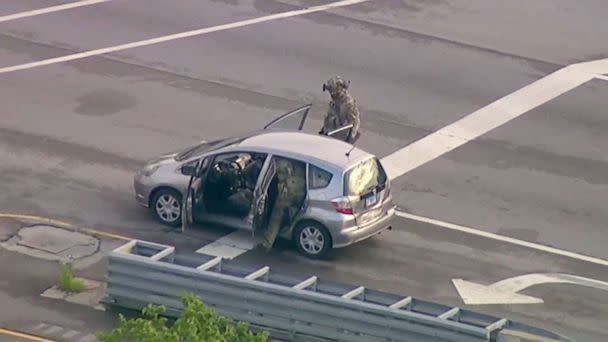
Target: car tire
x,y
312,240
167,207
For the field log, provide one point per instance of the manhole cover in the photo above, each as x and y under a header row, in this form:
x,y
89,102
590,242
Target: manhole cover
x,y
52,239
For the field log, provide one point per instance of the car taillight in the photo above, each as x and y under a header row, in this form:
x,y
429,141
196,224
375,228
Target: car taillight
x,y
342,205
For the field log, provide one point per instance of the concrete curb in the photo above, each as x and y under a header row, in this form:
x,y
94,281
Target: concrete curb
x,y
62,224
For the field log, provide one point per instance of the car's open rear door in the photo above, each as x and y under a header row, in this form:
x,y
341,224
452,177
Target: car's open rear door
x,y
341,133
293,120
261,200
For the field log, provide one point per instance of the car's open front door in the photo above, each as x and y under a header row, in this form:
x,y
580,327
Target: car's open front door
x,y
194,192
261,204
295,119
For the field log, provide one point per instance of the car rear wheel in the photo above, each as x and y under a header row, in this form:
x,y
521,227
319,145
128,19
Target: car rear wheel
x,y
167,207
312,240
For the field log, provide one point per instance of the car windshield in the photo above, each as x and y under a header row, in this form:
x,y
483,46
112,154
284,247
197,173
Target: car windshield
x,y
364,177
206,147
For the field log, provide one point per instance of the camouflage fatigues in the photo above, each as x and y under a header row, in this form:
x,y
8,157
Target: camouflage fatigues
x,y
342,108
291,192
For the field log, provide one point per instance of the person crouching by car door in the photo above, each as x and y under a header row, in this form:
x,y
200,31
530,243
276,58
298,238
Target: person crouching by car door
x,y
291,186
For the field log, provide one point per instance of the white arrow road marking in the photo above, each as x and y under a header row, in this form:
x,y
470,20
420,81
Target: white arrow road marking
x,y
505,291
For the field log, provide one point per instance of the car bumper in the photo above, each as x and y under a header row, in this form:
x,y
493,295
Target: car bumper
x,y
142,192
353,235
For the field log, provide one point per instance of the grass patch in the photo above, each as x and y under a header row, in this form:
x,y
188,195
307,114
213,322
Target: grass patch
x,y
67,281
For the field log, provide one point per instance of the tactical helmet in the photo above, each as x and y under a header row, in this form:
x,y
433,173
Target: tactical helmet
x,y
335,83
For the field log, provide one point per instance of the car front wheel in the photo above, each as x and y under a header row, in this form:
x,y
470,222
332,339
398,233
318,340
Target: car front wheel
x,y
312,240
167,207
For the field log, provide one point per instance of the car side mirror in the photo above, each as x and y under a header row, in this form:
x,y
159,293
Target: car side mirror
x,y
189,170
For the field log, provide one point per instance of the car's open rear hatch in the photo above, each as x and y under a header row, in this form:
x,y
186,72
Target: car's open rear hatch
x,y
368,188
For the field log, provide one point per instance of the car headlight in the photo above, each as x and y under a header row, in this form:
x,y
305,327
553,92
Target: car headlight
x,y
148,170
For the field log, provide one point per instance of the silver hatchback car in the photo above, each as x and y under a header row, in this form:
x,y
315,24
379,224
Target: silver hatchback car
x,y
348,195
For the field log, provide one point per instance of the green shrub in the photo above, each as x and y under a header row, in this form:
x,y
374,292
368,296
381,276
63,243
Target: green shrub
x,y
197,323
67,281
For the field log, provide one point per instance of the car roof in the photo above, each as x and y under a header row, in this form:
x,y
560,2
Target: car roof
x,y
316,149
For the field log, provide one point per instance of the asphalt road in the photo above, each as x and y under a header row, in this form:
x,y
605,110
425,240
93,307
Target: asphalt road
x,y
25,311
71,134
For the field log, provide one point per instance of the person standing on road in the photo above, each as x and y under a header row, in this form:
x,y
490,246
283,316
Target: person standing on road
x,y
290,195
342,109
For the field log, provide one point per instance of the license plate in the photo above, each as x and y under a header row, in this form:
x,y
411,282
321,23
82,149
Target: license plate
x,y
371,200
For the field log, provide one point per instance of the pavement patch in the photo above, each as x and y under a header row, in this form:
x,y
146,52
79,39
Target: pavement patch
x,y
51,243
229,246
53,240
8,228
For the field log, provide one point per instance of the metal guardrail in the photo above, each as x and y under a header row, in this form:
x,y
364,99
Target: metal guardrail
x,y
291,308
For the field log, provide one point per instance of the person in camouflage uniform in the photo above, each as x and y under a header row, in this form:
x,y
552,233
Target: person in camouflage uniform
x,y
342,108
291,193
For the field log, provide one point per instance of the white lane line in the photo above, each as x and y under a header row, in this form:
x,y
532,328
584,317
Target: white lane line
x,y
50,9
486,119
502,238
229,246
602,77
181,35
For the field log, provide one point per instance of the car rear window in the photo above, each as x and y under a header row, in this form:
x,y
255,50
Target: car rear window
x,y
364,177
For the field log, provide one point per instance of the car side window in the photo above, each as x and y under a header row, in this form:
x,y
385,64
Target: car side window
x,y
317,177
